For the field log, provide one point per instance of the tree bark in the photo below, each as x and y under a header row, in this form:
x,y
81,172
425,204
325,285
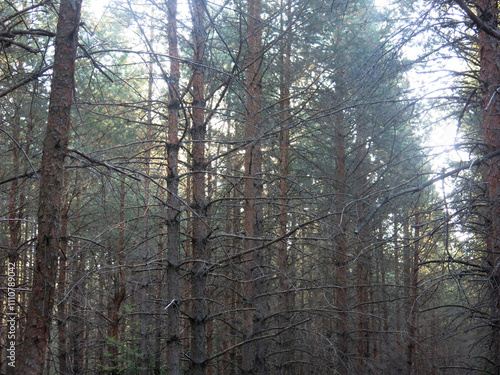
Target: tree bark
x,y
62,313
76,319
489,54
145,250
411,289
253,358
173,210
286,296
118,294
341,258
199,269
17,200
39,312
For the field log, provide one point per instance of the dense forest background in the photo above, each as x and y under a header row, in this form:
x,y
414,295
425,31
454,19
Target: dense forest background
x,y
250,187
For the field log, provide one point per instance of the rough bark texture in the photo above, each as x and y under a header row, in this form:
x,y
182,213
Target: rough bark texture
x,y
198,355
252,353
173,210
490,78
39,314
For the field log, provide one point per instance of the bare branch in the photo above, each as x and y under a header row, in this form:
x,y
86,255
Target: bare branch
x,y
424,185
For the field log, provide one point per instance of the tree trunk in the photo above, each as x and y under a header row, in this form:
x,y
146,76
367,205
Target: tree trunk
x,y
285,302
145,250
253,356
199,269
117,295
173,210
17,199
341,259
363,318
62,313
16,192
411,290
39,312
76,318
489,55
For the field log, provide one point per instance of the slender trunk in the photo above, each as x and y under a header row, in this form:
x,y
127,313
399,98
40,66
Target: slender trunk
x,y
16,194
397,280
411,273
285,302
39,312
411,291
187,285
489,55
145,251
233,332
118,294
16,213
62,313
76,319
253,361
341,260
199,269
173,210
363,342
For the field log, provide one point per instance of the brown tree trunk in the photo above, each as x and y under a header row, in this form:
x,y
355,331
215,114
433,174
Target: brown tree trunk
x,y
489,55
411,290
76,318
199,269
16,193
16,214
187,285
341,259
363,318
173,210
396,242
117,296
145,249
39,313
253,353
62,313
413,328
285,302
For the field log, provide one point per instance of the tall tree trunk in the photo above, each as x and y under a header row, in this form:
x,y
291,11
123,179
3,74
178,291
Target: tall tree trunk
x,y
16,193
199,269
285,297
363,318
76,318
62,313
16,213
118,294
173,210
412,304
39,312
341,259
187,285
145,249
489,55
411,290
253,356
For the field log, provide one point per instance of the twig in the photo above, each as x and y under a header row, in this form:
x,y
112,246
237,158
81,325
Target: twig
x,y
424,185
